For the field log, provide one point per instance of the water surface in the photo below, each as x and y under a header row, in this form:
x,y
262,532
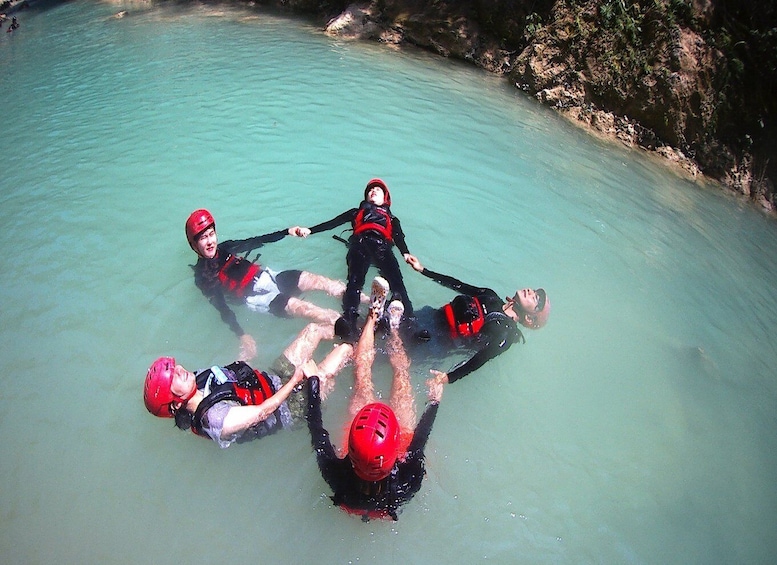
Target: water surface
x,y
637,427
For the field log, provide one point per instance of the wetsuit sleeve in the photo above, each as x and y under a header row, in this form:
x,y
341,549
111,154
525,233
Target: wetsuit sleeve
x,y
398,235
495,338
346,216
454,284
410,472
244,245
216,297
422,430
325,452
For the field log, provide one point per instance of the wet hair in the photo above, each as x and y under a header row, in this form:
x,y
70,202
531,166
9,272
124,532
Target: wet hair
x,y
183,418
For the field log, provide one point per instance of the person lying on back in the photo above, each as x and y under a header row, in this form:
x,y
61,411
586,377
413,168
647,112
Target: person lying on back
x,y
221,273
375,233
480,318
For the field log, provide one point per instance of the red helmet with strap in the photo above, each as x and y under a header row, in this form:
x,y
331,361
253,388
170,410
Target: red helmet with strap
x,y
198,222
373,441
156,393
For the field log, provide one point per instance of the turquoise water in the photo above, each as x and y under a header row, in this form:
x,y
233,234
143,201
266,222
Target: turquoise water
x,y
637,427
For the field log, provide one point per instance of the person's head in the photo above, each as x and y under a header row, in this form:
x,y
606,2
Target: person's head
x,y
529,307
377,193
373,442
168,387
201,233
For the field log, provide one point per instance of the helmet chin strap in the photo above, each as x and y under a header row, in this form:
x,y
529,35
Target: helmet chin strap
x,y
185,401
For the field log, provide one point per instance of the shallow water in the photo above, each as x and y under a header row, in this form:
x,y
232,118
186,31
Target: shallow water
x,y
637,427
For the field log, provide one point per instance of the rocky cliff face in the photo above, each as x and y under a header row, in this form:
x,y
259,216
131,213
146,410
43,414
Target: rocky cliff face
x,y
693,80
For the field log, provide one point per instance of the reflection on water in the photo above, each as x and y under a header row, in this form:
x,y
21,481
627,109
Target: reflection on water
x,y
638,426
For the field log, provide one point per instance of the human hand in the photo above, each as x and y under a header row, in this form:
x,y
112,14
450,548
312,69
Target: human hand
x,y
298,231
413,261
247,348
309,369
436,384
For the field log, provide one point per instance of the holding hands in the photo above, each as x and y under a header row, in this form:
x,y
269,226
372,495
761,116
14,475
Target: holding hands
x,y
413,261
435,385
299,231
247,348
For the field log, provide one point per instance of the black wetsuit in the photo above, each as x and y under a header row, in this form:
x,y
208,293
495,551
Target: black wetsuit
x,y
381,499
498,333
206,277
366,249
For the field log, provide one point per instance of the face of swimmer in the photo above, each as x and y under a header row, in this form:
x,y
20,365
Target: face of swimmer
x,y
528,307
206,243
376,196
183,384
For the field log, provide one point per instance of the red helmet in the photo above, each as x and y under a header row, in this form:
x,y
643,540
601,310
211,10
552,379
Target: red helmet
x,y
373,441
198,222
157,394
382,185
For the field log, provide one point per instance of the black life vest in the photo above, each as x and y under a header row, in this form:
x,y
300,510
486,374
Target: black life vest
x,y
371,491
252,388
237,273
373,218
465,316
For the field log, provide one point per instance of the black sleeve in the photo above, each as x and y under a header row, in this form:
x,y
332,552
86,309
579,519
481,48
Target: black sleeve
x,y
346,216
327,459
454,284
215,296
423,429
244,245
495,338
398,235
227,315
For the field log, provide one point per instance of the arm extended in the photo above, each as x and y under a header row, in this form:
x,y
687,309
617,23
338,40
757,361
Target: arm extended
x,y
245,245
496,338
452,283
240,418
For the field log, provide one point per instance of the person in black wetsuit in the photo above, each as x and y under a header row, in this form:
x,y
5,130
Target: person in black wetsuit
x,y
375,233
221,273
488,323
384,464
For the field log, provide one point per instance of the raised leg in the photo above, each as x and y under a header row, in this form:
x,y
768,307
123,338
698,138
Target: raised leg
x,y
402,397
364,355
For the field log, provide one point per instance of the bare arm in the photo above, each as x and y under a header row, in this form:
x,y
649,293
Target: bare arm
x,y
241,418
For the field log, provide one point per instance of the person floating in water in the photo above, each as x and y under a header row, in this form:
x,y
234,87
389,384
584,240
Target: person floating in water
x,y
236,403
14,25
384,464
478,316
375,233
221,273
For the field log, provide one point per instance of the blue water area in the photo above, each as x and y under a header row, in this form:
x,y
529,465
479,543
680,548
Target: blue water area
x,y
638,426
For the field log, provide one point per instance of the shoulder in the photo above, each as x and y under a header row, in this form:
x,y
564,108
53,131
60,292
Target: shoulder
x,y
491,294
491,299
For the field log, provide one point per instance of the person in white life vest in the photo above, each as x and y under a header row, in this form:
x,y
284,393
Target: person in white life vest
x,y
236,403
